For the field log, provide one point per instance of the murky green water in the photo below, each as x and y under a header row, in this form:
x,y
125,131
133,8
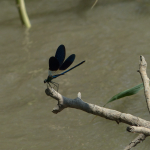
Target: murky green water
x,y
110,37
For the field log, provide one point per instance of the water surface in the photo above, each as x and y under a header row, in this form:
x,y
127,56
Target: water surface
x,y
110,37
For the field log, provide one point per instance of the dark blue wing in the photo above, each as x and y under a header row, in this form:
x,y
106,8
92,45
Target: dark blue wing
x,y
67,62
60,54
53,64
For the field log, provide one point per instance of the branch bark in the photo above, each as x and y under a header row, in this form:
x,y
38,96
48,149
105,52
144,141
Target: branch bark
x,y
136,141
142,130
145,79
110,114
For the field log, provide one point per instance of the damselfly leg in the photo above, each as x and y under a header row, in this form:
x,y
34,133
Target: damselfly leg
x,y
55,85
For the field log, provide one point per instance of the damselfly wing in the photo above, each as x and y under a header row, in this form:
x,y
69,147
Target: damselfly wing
x,y
57,63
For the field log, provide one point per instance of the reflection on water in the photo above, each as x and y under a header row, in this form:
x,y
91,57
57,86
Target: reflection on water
x,y
110,37
27,42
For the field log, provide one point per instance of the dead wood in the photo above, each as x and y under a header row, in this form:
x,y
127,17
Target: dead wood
x,y
137,124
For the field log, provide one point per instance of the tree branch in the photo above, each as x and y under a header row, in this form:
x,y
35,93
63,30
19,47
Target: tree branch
x,y
136,141
145,79
110,114
142,130
139,125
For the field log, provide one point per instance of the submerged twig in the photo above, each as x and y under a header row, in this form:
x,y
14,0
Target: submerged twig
x,y
23,14
94,4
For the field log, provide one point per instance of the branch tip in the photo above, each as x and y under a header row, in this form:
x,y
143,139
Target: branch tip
x,y
141,58
79,95
128,129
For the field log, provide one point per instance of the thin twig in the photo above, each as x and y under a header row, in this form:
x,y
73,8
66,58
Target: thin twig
x,y
94,4
136,141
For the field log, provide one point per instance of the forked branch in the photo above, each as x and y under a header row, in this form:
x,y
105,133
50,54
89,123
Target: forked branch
x,y
139,125
110,114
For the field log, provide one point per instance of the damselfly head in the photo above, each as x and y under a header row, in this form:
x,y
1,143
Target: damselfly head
x,y
45,80
49,78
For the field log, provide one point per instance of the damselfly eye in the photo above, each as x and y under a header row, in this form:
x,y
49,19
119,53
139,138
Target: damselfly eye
x,y
45,80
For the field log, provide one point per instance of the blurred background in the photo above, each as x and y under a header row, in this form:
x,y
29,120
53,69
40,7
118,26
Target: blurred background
x,y
110,37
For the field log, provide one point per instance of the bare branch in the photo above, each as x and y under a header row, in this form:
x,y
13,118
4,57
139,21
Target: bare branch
x,y
145,79
136,141
142,130
110,114
139,125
